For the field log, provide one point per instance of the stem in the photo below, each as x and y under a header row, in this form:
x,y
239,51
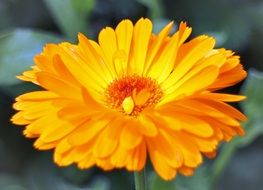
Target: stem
x,y
140,180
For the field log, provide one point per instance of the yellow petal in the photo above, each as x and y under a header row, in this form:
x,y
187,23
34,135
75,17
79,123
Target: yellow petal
x,y
195,126
108,44
38,126
140,45
88,131
226,109
190,53
58,86
41,145
57,130
119,158
192,156
104,164
163,121
87,162
89,51
196,83
104,145
37,95
112,134
81,71
120,59
18,119
204,144
63,71
124,33
164,65
162,144
130,136
63,146
223,97
146,126
156,46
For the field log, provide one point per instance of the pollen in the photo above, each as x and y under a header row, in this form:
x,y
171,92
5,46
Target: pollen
x,y
132,94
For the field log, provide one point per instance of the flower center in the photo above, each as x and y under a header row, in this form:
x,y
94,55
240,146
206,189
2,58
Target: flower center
x,y
132,94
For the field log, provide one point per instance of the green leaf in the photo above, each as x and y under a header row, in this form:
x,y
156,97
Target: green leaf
x,y
5,20
69,20
75,175
83,7
17,50
199,181
10,182
157,183
236,31
100,183
253,107
155,7
221,162
42,174
120,179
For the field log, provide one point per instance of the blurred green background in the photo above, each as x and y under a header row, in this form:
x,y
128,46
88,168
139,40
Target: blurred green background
x,y
26,25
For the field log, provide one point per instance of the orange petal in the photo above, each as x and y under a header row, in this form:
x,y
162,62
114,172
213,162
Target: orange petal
x,y
146,126
225,108
160,165
137,158
130,137
104,145
55,84
88,130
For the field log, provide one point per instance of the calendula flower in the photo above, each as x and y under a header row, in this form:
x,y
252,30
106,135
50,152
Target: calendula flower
x,y
132,95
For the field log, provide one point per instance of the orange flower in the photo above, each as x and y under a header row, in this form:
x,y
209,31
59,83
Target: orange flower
x,y
132,95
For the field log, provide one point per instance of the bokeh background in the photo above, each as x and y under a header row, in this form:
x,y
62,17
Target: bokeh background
x,y
26,25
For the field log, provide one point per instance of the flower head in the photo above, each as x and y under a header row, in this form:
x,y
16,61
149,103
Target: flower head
x,y
132,95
